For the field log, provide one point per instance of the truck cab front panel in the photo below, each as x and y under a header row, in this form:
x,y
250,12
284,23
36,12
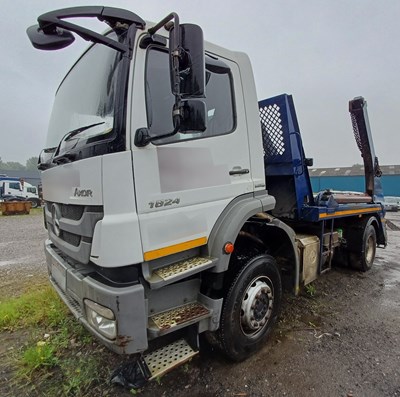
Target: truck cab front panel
x,y
91,211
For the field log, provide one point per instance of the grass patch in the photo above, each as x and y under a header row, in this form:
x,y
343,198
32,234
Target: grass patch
x,y
60,358
67,358
42,306
41,355
310,290
36,211
80,375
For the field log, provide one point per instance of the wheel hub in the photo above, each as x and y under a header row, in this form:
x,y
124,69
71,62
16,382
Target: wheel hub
x,y
256,308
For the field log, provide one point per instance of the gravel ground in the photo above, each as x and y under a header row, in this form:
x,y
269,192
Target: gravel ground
x,y
344,341
22,260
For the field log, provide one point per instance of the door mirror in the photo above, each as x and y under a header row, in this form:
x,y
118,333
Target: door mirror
x,y
193,116
56,40
189,117
187,65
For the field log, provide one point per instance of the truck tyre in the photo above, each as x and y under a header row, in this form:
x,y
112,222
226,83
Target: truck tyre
x,y
34,203
364,259
251,307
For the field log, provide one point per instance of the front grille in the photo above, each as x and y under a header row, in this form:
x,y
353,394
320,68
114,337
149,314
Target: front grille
x,y
71,238
69,211
74,225
73,212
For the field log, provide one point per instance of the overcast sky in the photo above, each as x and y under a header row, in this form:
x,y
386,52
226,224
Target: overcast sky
x,y
322,52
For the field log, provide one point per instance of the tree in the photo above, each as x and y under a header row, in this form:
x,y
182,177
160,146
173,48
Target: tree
x,y
12,165
31,163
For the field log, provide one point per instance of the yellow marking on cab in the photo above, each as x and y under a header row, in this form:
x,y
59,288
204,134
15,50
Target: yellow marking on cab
x,y
349,212
173,249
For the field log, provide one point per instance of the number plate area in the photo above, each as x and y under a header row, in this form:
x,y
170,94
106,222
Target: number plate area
x,y
58,274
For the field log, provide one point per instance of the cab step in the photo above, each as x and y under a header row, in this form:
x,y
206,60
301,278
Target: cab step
x,y
168,357
180,317
179,270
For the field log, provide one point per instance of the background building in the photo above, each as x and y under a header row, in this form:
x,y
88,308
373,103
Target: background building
x,y
30,176
352,178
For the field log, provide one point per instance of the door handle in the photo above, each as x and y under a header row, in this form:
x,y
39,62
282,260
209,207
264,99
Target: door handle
x,y
239,171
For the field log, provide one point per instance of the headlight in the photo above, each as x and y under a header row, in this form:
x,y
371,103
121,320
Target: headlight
x,y
101,318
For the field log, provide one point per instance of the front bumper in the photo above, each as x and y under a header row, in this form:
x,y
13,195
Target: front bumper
x,y
74,283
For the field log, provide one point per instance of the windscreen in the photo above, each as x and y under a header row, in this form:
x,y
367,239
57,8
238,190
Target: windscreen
x,y
86,97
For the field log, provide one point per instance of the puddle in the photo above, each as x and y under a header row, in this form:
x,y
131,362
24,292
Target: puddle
x,y
24,260
392,279
6,263
391,225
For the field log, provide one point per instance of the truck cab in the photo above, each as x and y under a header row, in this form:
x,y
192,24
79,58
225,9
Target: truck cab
x,y
19,188
157,203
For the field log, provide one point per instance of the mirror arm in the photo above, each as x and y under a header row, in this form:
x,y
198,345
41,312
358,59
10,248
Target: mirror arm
x,y
49,22
164,21
142,137
89,35
175,53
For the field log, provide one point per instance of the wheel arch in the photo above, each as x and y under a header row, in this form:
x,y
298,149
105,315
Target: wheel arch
x,y
231,222
259,234
380,229
279,241
375,223
363,223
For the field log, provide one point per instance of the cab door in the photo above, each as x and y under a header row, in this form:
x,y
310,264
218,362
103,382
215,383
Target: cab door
x,y
183,183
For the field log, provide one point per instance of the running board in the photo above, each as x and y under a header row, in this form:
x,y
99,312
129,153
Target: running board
x,y
134,374
180,317
163,360
179,270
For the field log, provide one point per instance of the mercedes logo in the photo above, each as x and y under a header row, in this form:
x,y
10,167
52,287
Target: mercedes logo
x,y
55,216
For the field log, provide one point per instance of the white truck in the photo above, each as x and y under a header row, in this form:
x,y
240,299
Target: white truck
x,y
21,189
175,203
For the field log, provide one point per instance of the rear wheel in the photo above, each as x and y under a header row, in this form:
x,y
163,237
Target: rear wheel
x,y
364,259
251,307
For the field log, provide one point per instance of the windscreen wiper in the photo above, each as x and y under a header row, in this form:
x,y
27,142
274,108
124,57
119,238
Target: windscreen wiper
x,y
66,157
45,158
77,131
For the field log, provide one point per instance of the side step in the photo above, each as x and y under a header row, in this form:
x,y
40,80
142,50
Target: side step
x,y
172,320
179,270
168,357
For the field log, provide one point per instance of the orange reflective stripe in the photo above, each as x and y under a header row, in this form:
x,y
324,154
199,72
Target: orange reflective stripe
x,y
349,212
173,249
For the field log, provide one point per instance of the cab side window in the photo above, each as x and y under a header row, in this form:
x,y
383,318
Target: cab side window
x,y
159,99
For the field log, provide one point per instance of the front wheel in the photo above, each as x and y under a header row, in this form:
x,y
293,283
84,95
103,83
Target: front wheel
x,y
34,203
251,307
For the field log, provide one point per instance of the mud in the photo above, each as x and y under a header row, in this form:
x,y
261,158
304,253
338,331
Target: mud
x,y
344,340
